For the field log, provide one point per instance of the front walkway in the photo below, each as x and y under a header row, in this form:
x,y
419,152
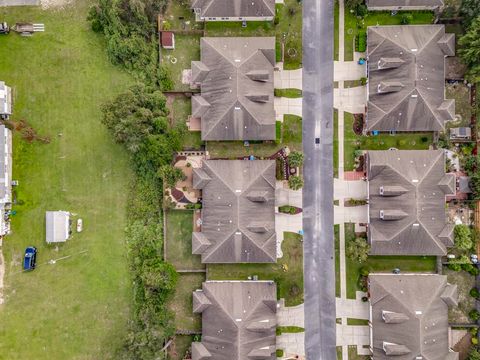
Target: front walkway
x,y
285,105
287,79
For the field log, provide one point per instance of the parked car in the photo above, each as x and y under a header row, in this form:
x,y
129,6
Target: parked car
x,y
30,258
4,29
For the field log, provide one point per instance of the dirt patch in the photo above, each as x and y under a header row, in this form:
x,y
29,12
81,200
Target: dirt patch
x,y
55,4
28,133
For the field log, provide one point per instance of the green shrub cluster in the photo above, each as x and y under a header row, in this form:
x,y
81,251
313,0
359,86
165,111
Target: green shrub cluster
x,y
129,27
361,41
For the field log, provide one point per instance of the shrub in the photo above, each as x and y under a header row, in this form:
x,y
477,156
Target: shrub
x,y
463,237
361,41
279,353
295,182
474,314
170,175
357,250
406,19
424,139
474,293
402,142
474,341
295,159
363,80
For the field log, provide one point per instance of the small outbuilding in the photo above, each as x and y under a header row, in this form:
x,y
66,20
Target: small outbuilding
x,y
167,39
57,226
461,133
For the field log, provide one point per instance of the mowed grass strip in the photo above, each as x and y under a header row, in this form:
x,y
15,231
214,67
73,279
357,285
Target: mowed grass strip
x,y
77,308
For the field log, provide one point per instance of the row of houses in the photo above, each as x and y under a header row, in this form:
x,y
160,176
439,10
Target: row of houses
x,y
407,190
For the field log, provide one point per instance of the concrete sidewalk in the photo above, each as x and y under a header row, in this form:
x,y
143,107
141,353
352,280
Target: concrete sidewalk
x,y
349,70
285,105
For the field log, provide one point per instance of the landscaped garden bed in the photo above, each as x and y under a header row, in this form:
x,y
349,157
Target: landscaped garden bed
x,y
465,282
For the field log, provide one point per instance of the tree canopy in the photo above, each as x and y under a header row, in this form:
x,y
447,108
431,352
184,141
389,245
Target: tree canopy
x,y
295,159
469,10
463,237
357,250
470,50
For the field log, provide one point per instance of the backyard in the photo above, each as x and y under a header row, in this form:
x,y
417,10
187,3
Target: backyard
x,y
78,307
406,264
178,240
465,282
287,272
383,141
180,108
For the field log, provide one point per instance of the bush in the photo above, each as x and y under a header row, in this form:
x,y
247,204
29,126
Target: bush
x,y
170,175
474,293
463,237
424,139
474,341
295,182
295,159
357,250
361,41
406,19
402,142
363,80
474,314
279,353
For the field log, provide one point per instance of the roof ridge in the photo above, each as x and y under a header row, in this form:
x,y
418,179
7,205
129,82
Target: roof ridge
x,y
220,118
429,41
429,108
217,246
376,47
220,305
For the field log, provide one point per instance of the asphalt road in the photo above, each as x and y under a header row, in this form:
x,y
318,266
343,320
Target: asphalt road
x,y
319,251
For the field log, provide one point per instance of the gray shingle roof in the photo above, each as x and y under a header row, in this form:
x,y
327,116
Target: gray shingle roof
x,y
236,79
418,305
406,88
238,215
238,320
404,4
5,165
5,99
235,8
407,190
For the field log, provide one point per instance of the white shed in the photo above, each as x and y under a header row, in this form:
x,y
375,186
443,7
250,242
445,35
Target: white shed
x,y
57,226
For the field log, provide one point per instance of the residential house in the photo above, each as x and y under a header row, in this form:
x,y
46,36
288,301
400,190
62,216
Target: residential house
x,y
407,192
57,226
5,178
235,76
5,100
238,214
234,10
406,78
238,320
409,316
394,5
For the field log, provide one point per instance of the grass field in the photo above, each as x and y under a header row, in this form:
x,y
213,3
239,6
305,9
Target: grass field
x,y
289,282
179,227
406,264
77,308
336,231
402,141
181,303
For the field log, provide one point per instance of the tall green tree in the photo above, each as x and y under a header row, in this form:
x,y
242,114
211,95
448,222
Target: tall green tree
x,y
463,237
470,50
357,250
469,10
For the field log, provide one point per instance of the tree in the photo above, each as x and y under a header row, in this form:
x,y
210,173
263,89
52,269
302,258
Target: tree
x,y
474,314
474,293
456,264
295,182
470,164
357,250
463,237
170,175
352,4
474,354
475,184
469,10
470,50
295,159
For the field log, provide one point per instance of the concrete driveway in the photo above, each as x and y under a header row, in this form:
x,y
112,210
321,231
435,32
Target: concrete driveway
x,y
353,214
356,189
287,79
353,335
353,308
285,105
348,70
290,315
292,344
352,100
289,223
287,196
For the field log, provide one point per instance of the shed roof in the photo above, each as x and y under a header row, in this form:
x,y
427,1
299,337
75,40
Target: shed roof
x,y
404,4
5,99
409,316
238,320
412,57
235,8
5,164
407,190
57,226
238,215
167,38
236,80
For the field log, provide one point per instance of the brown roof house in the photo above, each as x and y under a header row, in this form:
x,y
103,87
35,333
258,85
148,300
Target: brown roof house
x,y
234,10
404,4
235,76
238,214
238,320
409,316
406,78
407,191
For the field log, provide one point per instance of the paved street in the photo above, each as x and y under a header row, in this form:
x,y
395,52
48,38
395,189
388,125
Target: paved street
x,y
319,266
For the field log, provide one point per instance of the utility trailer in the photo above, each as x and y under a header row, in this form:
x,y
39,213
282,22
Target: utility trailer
x,y
27,29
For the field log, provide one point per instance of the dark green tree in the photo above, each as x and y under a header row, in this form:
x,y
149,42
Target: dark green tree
x,y
295,182
295,159
463,237
470,50
170,175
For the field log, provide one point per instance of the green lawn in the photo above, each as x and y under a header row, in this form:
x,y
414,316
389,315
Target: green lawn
x,y
402,141
374,18
287,272
77,308
291,137
180,109
406,264
179,227
336,230
288,93
187,49
181,303
353,354
335,143
336,32
359,322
